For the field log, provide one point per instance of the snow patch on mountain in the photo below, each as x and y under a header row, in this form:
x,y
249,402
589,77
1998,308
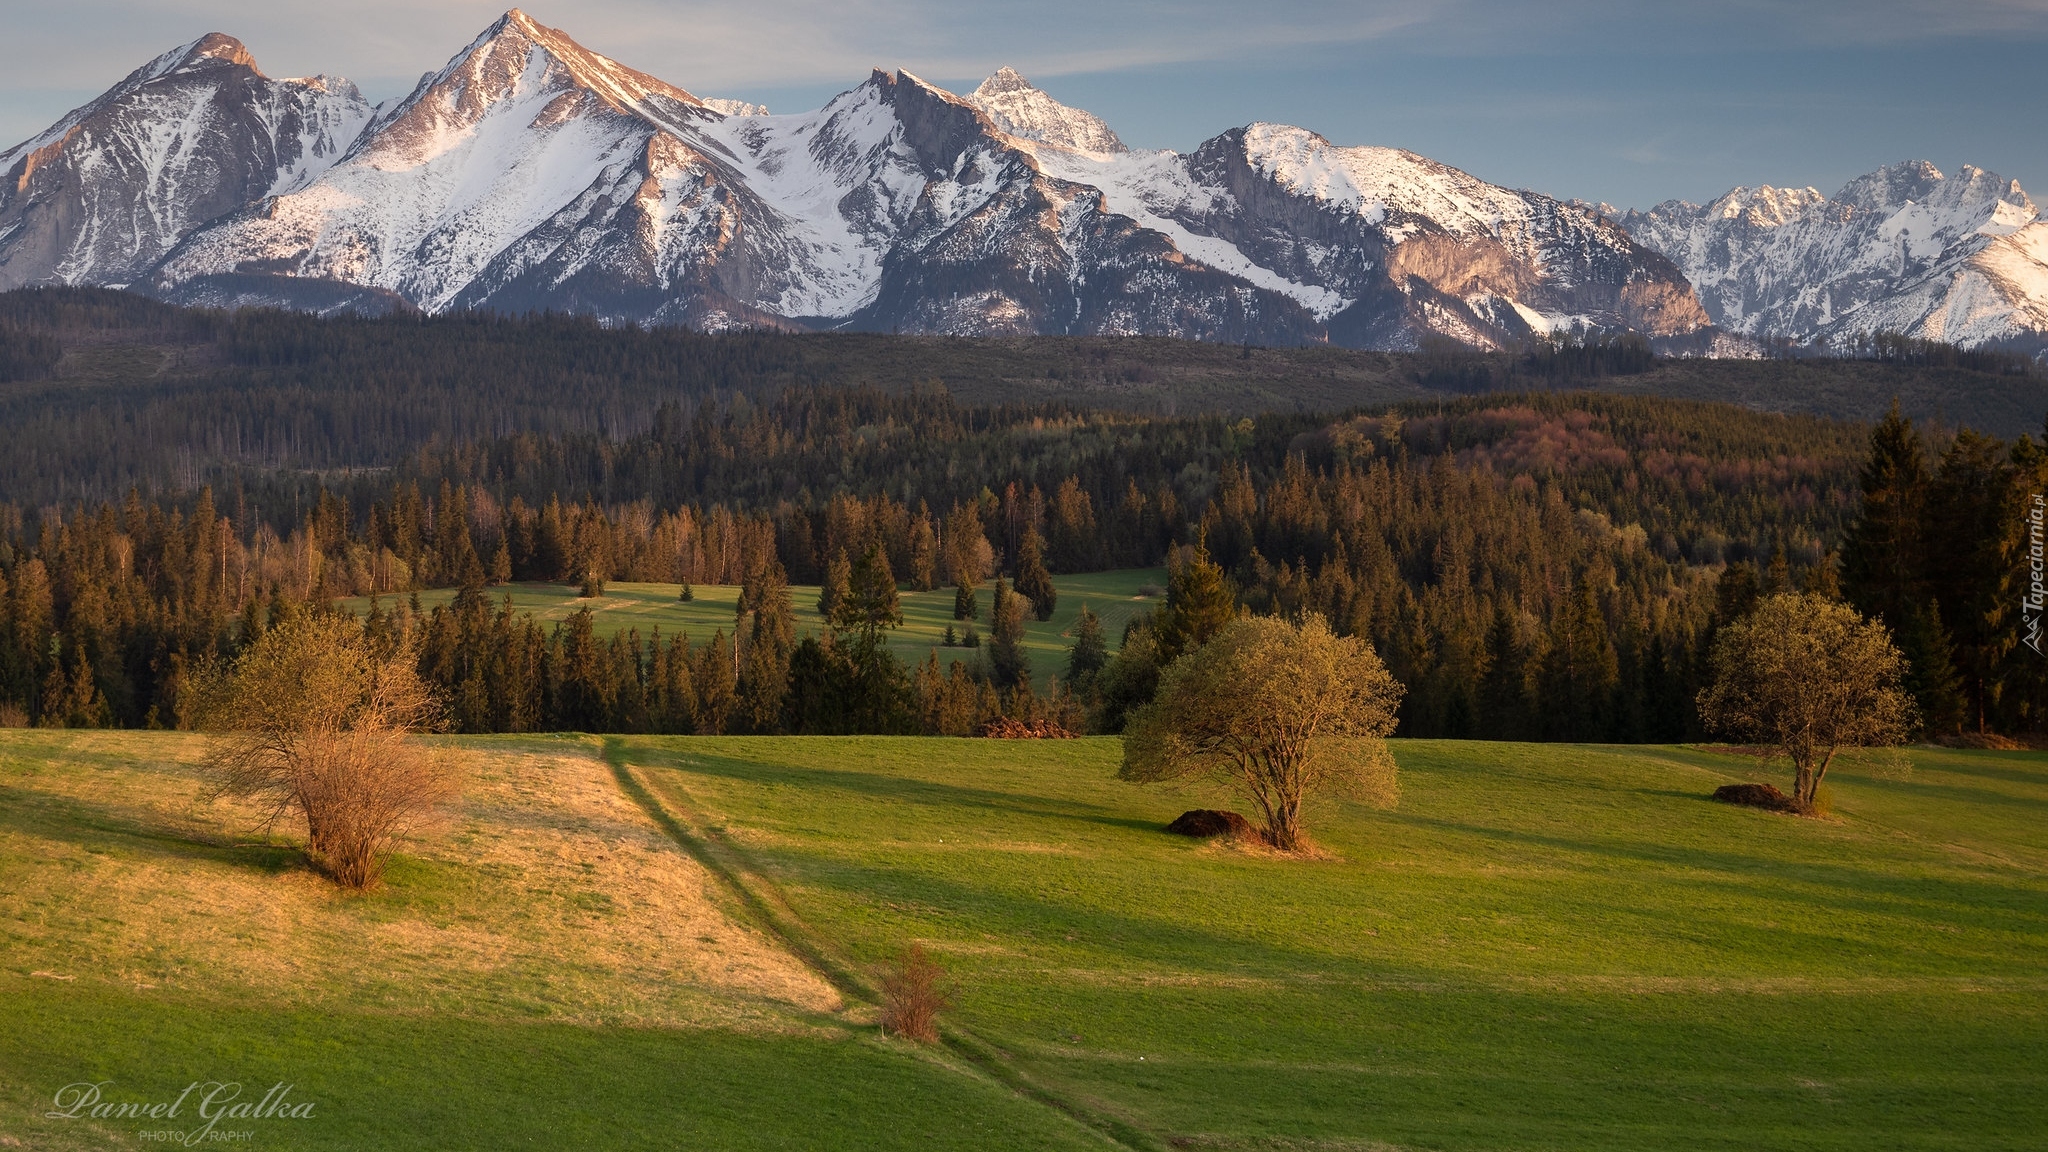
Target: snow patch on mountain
x,y
1155,188
734,107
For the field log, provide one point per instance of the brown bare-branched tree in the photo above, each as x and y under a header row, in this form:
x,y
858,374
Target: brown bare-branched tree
x,y
1807,676
317,722
914,992
1281,711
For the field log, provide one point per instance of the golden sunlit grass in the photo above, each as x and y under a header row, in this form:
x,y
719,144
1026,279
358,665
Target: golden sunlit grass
x,y
545,894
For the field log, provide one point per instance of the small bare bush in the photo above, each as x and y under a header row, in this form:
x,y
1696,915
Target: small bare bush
x,y
914,992
318,722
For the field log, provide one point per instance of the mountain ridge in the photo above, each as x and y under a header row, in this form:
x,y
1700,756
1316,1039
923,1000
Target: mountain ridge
x,y
530,173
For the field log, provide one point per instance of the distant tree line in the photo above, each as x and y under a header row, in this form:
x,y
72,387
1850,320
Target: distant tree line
x,y
1541,566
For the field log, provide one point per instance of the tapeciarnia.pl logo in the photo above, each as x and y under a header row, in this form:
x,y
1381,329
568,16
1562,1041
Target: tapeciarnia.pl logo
x,y
2036,599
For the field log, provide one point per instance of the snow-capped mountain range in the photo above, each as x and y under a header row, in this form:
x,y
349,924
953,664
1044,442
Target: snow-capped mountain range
x,y
1961,258
531,173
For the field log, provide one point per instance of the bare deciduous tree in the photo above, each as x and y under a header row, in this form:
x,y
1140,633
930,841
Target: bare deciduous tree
x,y
914,992
1807,676
1281,711
315,721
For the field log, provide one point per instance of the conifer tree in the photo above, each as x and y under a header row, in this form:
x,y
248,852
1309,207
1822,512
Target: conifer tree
x,y
1009,665
1970,514
1580,671
1089,652
838,575
1033,581
1199,602
1882,550
1503,689
1931,674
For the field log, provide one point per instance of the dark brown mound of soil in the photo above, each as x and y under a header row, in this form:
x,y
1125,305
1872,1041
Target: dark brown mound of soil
x,y
1756,796
1207,822
1008,729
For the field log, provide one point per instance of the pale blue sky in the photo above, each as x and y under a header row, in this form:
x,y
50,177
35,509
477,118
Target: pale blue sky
x,y
1626,102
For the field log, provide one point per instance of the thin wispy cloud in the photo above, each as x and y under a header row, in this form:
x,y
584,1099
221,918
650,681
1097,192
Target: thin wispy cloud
x,y
1535,94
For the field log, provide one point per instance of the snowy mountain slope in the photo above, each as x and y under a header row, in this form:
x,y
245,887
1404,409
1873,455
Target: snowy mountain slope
x,y
1387,247
520,127
531,173
1906,248
196,133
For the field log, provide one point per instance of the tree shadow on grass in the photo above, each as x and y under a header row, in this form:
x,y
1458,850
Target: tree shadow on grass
x,y
879,786
138,830
1931,898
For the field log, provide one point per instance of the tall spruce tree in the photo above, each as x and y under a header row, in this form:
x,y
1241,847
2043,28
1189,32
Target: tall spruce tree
x,y
1504,688
1969,514
1089,652
1199,602
1033,581
1580,671
1883,548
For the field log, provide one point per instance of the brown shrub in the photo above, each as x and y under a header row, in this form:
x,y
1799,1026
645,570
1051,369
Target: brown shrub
x,y
316,721
914,992
1010,728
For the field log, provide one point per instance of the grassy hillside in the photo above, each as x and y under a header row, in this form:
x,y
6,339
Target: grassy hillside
x,y
1116,597
1544,947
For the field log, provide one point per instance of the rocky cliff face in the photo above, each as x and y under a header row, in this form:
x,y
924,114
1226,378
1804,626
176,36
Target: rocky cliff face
x,y
1961,258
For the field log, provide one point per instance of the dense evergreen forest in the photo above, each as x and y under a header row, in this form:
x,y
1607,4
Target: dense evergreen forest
x,y
101,391
1543,563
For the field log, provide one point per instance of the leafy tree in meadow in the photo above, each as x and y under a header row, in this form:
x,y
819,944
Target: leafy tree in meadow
x,y
1280,712
1807,677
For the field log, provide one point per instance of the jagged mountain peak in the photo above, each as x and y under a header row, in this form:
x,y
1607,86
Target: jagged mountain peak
x,y
1004,79
1023,110
196,133
1763,206
211,51
517,57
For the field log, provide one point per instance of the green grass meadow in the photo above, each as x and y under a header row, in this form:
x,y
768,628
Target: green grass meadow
x,y
1542,947
1113,596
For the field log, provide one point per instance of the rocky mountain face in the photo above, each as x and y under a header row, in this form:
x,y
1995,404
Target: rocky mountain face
x,y
531,173
1961,258
199,132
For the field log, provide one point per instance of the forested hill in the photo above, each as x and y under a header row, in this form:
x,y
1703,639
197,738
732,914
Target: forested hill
x,y
102,390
